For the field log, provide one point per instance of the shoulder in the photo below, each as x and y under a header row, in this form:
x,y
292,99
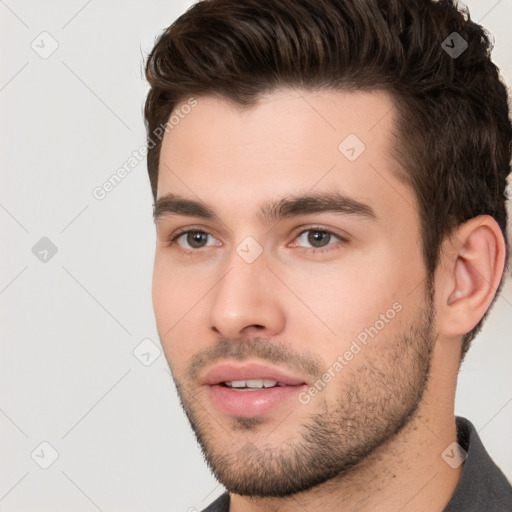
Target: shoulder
x,y
482,486
221,504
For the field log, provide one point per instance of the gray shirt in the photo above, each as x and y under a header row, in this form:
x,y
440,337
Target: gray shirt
x,y
482,487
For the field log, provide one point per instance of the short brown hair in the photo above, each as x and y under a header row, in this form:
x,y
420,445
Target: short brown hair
x,y
453,132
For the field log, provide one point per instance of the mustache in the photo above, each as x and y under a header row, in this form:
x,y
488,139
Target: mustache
x,y
260,348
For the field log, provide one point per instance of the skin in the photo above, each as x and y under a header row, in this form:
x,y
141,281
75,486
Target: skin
x,y
388,415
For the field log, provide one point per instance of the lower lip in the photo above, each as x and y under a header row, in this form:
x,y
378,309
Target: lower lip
x,y
249,404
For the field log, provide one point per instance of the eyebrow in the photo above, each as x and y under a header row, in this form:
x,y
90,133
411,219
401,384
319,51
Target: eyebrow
x,y
275,211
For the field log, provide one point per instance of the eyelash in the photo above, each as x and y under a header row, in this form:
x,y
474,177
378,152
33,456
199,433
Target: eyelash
x,y
342,240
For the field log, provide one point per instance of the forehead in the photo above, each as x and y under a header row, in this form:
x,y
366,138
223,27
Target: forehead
x,y
290,142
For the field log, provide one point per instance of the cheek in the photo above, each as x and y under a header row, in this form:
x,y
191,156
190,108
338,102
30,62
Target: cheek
x,y
350,297
174,290
161,294
177,293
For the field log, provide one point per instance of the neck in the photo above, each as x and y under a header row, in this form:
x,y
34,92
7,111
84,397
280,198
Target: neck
x,y
406,473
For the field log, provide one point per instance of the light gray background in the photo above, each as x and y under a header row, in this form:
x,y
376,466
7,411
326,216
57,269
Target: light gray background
x,y
70,325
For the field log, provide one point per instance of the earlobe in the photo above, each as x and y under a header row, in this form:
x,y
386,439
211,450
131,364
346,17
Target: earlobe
x,y
471,276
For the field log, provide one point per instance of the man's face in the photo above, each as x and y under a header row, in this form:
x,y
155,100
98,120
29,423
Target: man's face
x,y
322,300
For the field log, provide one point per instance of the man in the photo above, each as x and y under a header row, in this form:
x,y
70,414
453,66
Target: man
x,y
330,212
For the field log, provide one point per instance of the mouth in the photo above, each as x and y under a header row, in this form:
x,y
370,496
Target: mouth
x,y
252,385
250,389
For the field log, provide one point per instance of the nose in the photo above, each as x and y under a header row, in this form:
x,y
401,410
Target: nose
x,y
246,301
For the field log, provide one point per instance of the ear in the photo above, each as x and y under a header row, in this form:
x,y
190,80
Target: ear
x,y
471,265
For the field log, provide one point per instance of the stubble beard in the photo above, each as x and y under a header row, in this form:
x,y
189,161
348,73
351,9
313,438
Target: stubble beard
x,y
378,401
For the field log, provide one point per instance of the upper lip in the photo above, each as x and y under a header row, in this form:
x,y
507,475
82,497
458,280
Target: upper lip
x,y
227,372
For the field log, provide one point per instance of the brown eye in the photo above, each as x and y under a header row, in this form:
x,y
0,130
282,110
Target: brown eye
x,y
318,238
196,239
193,239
